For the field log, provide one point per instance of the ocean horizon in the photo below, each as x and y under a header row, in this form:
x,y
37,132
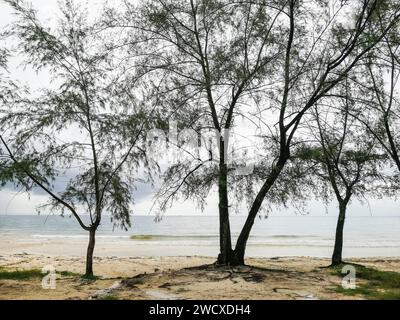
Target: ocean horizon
x,y
365,236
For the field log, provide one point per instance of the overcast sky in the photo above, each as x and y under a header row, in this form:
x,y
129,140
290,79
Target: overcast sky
x,y
14,202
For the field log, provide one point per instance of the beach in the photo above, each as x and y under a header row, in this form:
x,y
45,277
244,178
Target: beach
x,y
175,260
165,278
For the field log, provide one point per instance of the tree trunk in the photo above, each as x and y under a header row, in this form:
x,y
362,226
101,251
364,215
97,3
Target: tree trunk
x,y
337,252
224,225
89,255
225,241
241,243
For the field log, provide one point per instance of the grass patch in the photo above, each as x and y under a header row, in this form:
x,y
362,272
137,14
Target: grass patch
x,y
30,274
68,274
141,237
20,274
108,297
380,285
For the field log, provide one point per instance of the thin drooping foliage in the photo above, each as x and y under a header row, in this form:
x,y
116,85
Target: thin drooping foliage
x,y
377,105
207,76
76,139
332,63
4,97
9,92
286,76
347,161
269,62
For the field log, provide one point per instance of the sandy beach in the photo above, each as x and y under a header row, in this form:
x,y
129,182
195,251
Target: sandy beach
x,y
199,150
167,278
137,270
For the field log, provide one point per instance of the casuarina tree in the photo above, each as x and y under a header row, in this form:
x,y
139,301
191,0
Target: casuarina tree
x,y
269,62
347,161
77,139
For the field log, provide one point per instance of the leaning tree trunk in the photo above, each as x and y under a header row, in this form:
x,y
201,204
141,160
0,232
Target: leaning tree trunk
x,y
337,251
240,248
89,255
226,251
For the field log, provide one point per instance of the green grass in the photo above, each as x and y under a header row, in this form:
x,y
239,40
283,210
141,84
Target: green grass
x,y
30,274
379,285
68,274
20,274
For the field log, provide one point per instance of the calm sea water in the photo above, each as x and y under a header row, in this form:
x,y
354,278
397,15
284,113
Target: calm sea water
x,y
276,235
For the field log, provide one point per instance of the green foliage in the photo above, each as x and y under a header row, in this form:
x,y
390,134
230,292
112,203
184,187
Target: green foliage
x,y
223,62
3,58
206,64
159,18
343,157
86,129
309,153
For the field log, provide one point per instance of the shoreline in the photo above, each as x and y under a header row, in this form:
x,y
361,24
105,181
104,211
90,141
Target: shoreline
x,y
105,247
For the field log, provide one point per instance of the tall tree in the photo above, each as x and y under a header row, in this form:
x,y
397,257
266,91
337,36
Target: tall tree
x,y
206,78
84,129
348,45
268,61
344,157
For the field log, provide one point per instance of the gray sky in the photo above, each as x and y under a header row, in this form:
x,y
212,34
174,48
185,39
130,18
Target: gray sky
x,y
14,202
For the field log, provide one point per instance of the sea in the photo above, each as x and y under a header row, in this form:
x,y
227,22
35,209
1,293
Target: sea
x,y
275,236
